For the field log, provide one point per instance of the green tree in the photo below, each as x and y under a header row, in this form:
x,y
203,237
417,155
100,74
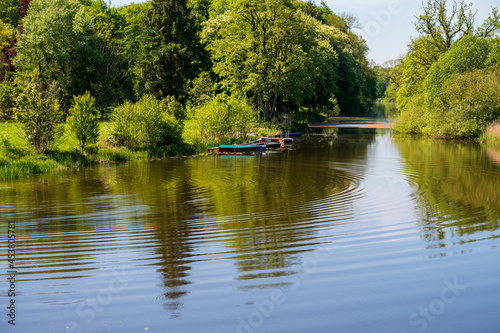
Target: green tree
x,y
10,52
494,56
444,26
6,33
439,25
269,51
7,91
219,7
467,111
132,39
56,35
38,111
394,79
422,55
105,66
174,108
344,22
8,94
83,120
458,96
202,89
200,7
174,51
465,55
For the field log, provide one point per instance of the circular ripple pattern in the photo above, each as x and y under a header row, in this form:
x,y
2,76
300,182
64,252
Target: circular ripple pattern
x,y
348,235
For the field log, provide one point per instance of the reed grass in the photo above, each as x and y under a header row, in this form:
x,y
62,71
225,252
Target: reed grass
x,y
491,137
494,130
25,167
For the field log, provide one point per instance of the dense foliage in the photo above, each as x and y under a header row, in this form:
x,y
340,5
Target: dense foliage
x,y
277,61
223,117
447,85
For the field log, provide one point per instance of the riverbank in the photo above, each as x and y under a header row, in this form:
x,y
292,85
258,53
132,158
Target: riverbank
x,y
19,159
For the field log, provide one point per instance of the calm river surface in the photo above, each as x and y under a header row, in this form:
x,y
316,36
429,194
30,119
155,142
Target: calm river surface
x,y
363,232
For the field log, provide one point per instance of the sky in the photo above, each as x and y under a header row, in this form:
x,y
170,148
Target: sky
x,y
387,25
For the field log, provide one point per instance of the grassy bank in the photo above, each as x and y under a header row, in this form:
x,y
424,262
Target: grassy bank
x,y
18,158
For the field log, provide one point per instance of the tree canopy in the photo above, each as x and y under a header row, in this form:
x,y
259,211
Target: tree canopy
x,y
286,58
55,40
283,58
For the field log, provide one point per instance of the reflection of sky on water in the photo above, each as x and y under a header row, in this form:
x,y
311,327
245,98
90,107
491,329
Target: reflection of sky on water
x,y
200,242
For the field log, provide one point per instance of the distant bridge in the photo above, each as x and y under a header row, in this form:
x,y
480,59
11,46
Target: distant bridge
x,y
351,122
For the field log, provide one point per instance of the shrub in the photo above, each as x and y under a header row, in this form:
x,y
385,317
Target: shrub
x,y
468,54
38,112
174,108
125,125
83,120
494,56
145,123
224,117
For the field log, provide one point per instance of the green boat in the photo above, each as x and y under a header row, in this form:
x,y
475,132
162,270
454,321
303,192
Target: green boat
x,y
237,148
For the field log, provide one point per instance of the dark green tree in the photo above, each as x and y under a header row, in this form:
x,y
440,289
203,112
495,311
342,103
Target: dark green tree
x,y
133,43
174,50
105,64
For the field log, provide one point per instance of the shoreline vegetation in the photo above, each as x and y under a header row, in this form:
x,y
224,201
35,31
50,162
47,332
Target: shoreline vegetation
x,y
18,159
83,83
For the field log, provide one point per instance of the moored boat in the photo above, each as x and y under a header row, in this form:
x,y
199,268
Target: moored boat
x,y
261,147
237,149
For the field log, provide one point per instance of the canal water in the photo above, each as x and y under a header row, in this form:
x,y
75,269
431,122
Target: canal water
x,y
360,231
